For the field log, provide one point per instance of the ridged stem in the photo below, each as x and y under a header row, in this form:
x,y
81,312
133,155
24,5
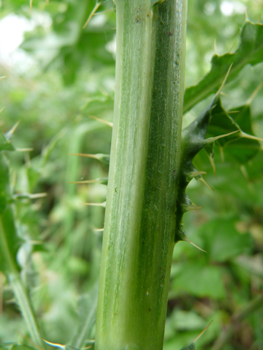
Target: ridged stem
x,y
142,191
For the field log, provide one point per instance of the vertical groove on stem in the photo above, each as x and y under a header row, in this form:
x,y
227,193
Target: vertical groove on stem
x,y
140,214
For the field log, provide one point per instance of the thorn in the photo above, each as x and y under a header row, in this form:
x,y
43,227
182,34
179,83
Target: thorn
x,y
38,195
109,10
100,180
251,137
98,229
197,173
222,154
92,14
213,139
56,345
244,172
203,331
102,157
246,15
232,112
224,81
194,207
215,47
231,48
30,196
83,182
30,4
96,204
3,77
24,149
212,162
188,240
1,110
205,183
102,121
251,98
14,128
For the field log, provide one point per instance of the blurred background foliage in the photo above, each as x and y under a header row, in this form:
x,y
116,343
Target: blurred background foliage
x,y
57,76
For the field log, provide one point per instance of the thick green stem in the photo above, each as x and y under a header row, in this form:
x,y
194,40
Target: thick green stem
x,y
142,191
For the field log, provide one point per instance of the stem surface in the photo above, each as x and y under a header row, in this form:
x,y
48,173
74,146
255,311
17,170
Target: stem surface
x,y
140,215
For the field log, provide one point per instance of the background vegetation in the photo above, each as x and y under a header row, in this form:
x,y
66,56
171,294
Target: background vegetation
x,y
59,77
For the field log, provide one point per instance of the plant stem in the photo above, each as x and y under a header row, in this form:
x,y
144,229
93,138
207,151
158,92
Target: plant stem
x,y
140,215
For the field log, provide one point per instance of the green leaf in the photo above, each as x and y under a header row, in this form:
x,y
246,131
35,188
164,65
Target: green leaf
x,y
242,146
187,320
254,168
250,51
222,241
199,279
67,43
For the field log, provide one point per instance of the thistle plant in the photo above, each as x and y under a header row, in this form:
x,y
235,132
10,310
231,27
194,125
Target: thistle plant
x,y
150,167
151,163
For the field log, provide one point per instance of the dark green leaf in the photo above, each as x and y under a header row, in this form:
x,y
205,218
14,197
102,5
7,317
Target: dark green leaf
x,y
239,145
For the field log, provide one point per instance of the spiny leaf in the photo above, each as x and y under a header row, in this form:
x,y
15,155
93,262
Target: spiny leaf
x,y
234,133
243,145
250,51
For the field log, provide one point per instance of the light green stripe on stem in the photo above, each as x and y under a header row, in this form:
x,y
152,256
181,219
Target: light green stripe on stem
x,y
140,214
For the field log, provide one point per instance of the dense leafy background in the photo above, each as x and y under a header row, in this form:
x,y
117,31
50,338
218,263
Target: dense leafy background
x,y
60,76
